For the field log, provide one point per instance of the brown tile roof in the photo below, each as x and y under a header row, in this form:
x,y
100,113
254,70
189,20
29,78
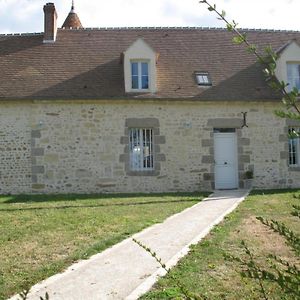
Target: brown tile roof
x,y
72,21
86,64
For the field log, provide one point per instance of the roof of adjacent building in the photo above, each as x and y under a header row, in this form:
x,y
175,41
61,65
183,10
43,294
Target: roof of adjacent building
x,y
87,64
72,20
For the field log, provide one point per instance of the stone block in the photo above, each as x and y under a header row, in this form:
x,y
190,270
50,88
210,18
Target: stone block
x,y
159,139
34,179
225,123
207,176
49,175
124,140
51,158
37,186
157,166
37,151
244,158
244,141
160,157
207,159
123,158
141,123
37,169
36,133
207,142
80,173
156,148
283,138
156,131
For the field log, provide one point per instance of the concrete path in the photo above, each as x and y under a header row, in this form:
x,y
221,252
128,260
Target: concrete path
x,y
126,271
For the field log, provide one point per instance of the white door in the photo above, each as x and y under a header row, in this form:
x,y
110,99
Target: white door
x,y
226,166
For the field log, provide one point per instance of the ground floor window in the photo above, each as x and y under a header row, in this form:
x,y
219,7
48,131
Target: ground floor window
x,y
294,146
141,149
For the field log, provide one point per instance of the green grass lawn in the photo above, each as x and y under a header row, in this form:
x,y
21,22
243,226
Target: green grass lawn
x,y
42,235
204,271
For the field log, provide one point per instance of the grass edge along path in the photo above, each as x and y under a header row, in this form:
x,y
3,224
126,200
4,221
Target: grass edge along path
x,y
206,273
43,235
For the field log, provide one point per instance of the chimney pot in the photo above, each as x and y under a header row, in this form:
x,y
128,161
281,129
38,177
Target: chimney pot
x,y
50,23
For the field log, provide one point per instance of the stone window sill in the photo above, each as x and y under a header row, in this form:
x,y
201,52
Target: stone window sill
x,y
294,169
143,173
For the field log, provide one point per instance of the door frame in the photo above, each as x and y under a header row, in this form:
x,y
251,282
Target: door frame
x,y
233,136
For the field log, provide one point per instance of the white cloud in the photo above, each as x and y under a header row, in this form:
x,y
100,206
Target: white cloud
x,y
27,15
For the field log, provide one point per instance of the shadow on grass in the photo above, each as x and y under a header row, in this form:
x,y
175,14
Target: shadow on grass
x,y
74,197
100,205
273,191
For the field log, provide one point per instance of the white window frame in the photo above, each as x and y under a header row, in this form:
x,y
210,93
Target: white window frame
x,y
141,156
291,69
139,62
294,148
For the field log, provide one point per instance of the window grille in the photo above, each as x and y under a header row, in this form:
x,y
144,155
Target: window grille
x,y
141,149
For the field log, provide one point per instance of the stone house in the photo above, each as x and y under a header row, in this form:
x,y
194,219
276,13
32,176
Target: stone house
x,y
87,110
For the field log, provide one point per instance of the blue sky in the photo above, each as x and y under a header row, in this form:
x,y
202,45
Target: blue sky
x,y
27,15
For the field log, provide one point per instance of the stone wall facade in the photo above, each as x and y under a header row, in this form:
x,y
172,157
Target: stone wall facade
x,y
81,146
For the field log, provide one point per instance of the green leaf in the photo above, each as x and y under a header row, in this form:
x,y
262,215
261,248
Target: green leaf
x,y
272,66
252,48
229,27
238,39
295,91
269,50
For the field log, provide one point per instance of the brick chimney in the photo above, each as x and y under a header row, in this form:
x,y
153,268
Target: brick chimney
x,y
50,24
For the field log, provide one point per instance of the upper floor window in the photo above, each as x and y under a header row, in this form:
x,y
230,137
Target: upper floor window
x,y
293,75
294,146
139,75
140,62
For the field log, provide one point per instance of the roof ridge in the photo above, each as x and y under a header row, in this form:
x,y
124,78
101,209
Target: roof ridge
x,y
178,28
22,34
152,28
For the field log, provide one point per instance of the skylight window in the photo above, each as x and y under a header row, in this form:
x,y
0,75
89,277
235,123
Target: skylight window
x,y
203,79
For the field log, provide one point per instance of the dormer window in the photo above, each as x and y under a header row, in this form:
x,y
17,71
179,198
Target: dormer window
x,y
139,75
288,65
140,68
293,75
203,79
